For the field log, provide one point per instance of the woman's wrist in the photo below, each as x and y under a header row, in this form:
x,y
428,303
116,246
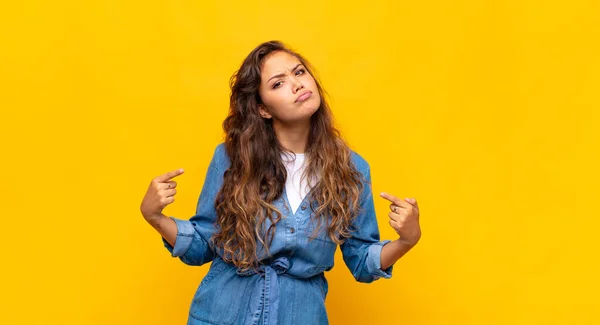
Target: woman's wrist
x,y
155,216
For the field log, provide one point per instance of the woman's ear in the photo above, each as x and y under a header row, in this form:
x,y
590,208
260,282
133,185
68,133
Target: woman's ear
x,y
263,112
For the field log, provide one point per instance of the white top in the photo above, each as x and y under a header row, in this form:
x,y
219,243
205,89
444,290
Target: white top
x,y
296,188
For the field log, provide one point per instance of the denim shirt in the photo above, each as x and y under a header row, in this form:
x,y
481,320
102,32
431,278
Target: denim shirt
x,y
290,286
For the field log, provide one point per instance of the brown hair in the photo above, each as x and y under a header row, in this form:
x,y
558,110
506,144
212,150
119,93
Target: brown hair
x,y
257,174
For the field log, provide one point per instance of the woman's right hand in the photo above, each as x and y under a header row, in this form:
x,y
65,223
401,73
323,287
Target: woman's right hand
x,y
160,193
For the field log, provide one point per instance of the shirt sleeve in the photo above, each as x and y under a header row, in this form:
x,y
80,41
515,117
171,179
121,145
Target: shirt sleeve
x,y
193,235
362,251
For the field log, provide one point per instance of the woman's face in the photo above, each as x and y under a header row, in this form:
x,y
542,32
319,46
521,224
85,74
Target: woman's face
x,y
288,92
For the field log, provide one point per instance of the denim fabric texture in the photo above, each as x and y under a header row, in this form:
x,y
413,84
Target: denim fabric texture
x,y
290,286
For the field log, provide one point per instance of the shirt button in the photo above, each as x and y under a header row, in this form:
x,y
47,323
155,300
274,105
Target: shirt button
x,y
303,207
292,230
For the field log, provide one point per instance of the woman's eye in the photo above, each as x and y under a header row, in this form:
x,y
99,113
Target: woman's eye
x,y
277,84
300,70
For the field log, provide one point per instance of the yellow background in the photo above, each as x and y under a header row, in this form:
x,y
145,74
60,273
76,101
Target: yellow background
x,y
485,111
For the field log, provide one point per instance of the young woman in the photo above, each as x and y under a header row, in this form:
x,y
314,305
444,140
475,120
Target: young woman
x,y
280,194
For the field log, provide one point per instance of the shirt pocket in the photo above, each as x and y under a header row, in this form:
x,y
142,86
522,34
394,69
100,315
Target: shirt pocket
x,y
319,247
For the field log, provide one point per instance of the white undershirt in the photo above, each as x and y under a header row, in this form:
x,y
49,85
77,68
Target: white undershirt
x,y
295,187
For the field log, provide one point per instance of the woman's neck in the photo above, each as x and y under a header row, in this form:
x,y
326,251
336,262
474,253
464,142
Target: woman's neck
x,y
292,137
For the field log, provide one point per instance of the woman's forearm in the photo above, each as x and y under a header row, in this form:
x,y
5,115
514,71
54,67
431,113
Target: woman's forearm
x,y
393,251
165,226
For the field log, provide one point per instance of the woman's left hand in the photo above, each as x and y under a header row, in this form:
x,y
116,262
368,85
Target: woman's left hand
x,y
404,218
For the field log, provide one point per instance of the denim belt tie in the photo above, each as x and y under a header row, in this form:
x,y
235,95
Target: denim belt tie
x,y
265,295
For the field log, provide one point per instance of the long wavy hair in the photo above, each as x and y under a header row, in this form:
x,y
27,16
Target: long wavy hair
x,y
257,175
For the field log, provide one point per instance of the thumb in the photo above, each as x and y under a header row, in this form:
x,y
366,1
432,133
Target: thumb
x,y
412,201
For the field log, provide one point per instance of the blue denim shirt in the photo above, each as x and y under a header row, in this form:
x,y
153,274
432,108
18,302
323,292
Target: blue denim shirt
x,y
290,288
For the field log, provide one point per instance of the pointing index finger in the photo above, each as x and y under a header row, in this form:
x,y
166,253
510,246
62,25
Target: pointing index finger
x,y
166,177
394,200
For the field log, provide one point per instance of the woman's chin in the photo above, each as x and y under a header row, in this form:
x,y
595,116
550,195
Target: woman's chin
x,y
313,106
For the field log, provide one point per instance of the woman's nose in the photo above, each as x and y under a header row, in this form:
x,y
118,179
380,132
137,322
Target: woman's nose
x,y
297,85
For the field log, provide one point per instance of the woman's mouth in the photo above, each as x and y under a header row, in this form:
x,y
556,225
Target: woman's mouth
x,y
304,97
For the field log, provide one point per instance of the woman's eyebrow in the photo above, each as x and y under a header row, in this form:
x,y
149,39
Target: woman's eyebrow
x,y
283,74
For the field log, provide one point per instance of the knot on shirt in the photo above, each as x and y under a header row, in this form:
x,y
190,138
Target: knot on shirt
x,y
264,301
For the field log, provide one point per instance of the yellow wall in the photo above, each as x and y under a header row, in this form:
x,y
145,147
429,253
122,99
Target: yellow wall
x,y
485,111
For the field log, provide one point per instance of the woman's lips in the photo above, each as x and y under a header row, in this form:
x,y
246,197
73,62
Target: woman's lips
x,y
304,96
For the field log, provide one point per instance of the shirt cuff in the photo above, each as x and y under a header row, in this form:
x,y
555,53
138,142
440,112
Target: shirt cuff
x,y
374,261
185,235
